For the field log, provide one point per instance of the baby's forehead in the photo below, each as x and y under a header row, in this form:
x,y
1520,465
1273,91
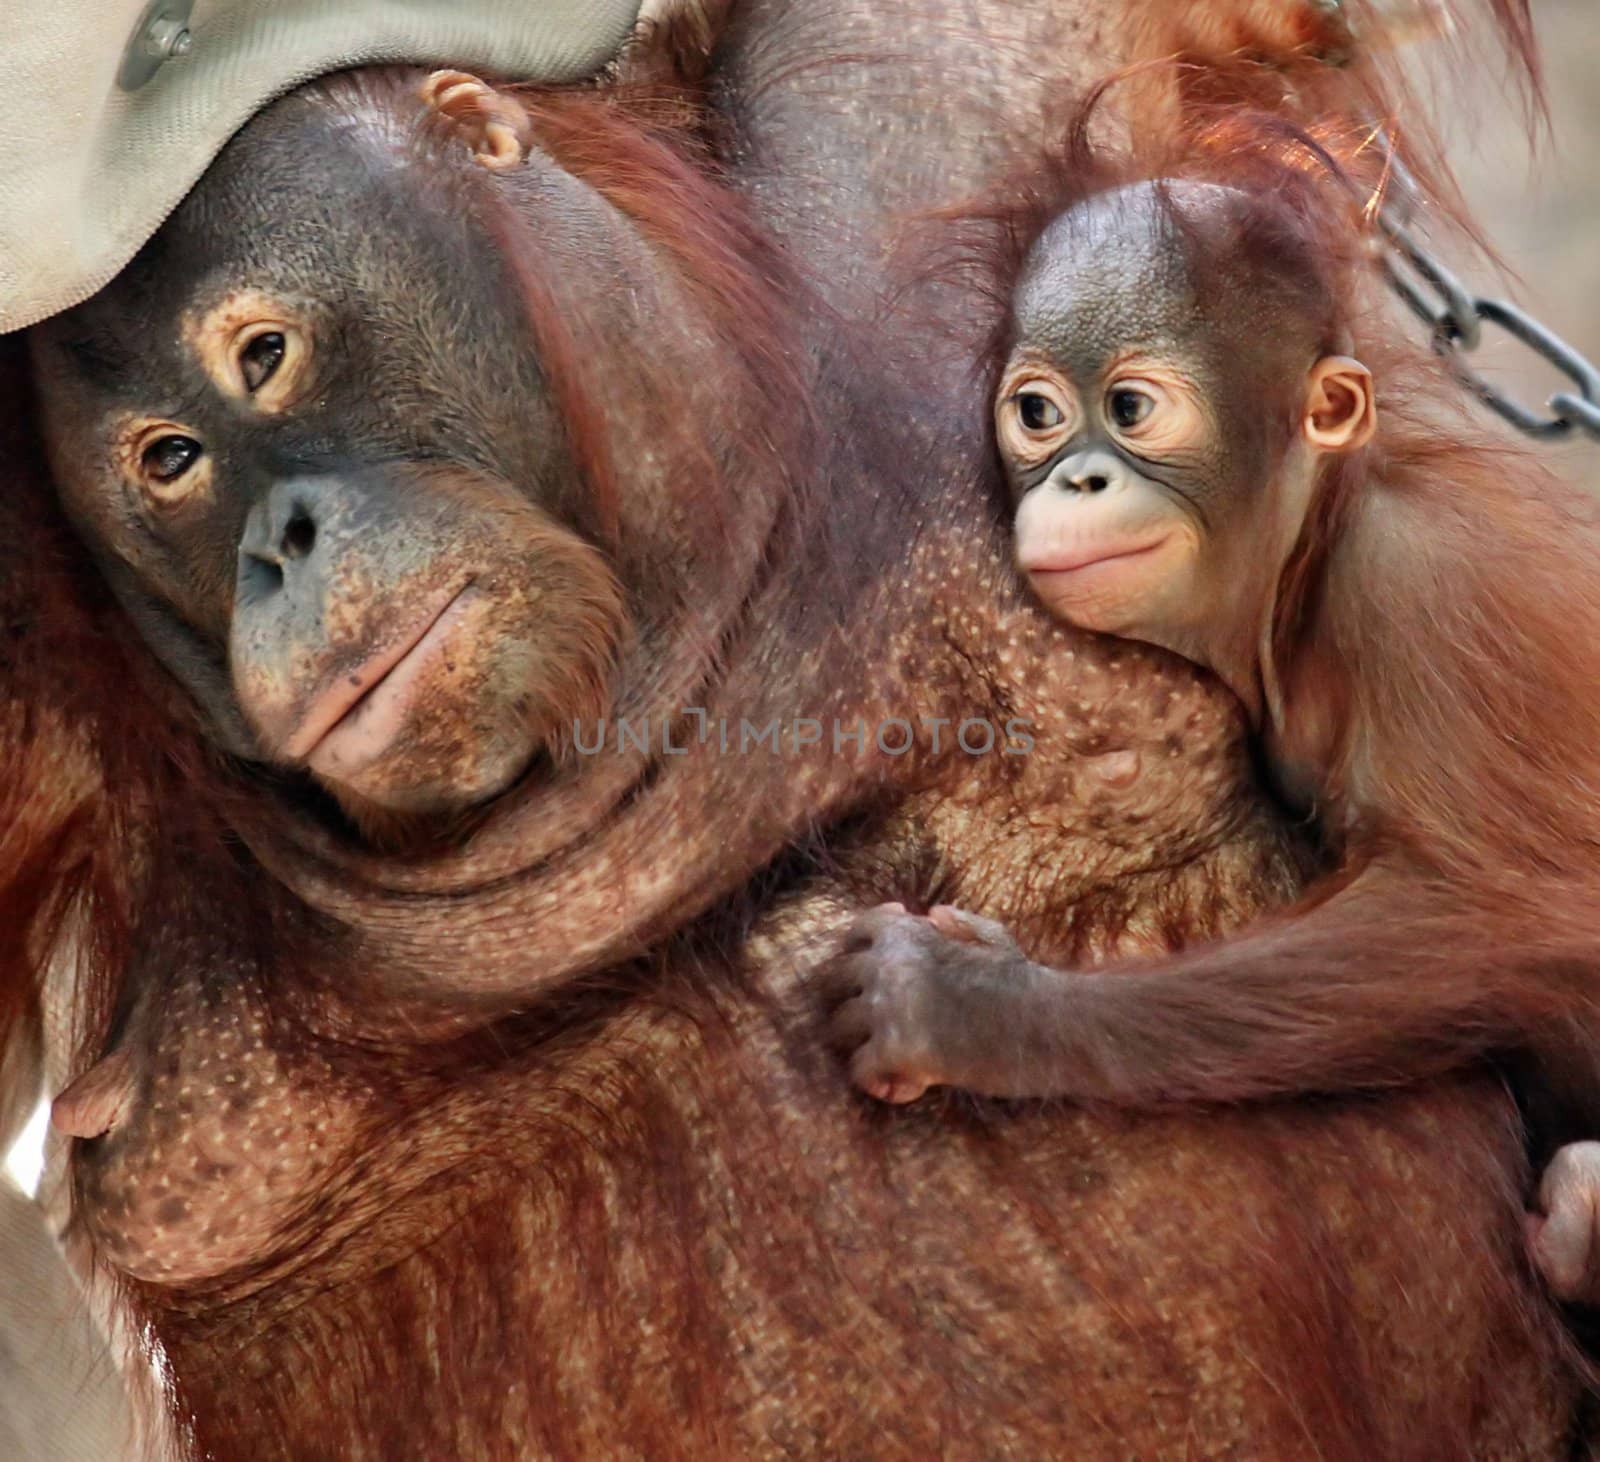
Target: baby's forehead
x,y
1122,271
1083,313
1113,269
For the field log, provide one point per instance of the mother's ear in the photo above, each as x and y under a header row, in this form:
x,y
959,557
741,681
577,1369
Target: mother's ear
x,y
1340,414
493,125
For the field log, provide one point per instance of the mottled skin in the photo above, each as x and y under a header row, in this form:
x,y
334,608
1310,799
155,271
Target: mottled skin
x,y
463,1193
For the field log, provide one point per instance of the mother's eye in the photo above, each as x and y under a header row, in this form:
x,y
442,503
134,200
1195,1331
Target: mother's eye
x,y
260,358
256,348
166,459
166,463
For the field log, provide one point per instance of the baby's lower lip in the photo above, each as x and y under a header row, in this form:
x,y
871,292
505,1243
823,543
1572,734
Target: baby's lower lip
x,y
1073,562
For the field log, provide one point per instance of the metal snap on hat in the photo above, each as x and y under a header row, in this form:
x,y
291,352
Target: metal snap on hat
x,y
111,109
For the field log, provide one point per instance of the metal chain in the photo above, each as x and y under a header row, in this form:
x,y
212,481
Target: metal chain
x,y
1455,316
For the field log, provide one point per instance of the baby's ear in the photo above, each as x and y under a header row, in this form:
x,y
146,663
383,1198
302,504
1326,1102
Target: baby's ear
x,y
1340,414
493,126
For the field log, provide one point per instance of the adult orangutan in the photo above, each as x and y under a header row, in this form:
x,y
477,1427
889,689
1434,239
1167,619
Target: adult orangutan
x,y
442,1080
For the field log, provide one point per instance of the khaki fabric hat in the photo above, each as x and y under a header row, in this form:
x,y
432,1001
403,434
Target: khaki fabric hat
x,y
111,109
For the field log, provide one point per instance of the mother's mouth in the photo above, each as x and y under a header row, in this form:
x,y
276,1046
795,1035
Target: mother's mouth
x,y
385,675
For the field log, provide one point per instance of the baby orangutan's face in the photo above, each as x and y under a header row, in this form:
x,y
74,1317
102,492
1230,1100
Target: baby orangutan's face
x,y
1157,431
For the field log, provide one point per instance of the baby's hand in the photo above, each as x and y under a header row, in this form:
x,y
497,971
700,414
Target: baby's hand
x,y
917,1000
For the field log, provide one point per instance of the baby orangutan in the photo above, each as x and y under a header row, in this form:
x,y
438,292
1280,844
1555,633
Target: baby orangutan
x,y
1163,436
1197,461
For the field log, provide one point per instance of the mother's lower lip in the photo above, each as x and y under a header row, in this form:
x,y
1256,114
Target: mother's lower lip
x,y
1073,562
329,709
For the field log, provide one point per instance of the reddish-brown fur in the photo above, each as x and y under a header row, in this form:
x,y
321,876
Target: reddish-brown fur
x,y
58,834
644,153
642,1217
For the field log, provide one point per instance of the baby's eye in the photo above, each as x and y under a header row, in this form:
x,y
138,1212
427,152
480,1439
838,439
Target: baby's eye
x,y
1038,413
1034,414
1128,407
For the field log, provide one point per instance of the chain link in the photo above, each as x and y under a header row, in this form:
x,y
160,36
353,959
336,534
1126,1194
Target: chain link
x,y
1455,317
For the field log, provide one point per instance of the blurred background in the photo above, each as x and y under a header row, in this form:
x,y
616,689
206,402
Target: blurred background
x,y
1541,207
